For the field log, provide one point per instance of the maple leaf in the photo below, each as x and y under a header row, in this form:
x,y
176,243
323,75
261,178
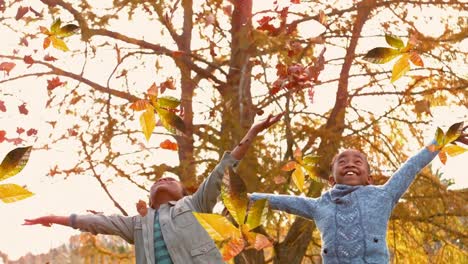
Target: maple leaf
x,y
7,67
2,106
22,109
54,83
167,144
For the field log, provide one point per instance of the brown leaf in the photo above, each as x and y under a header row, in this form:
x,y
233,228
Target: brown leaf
x,y
22,109
7,67
49,58
28,59
168,84
54,83
416,59
46,43
22,10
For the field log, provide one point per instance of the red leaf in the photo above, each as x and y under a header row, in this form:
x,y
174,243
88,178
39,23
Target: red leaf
x,y
2,135
265,24
2,106
167,144
19,130
7,67
296,1
22,109
72,132
311,93
28,59
31,132
22,10
227,10
24,41
54,83
49,58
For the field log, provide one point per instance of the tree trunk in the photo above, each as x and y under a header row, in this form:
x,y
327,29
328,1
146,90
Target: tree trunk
x,y
293,248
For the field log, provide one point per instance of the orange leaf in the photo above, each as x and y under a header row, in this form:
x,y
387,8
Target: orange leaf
x,y
432,148
258,241
167,144
291,165
46,43
44,30
142,208
153,90
416,59
443,157
177,53
298,154
139,105
233,248
7,67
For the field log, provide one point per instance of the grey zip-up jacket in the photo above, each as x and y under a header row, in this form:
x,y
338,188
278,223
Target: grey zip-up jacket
x,y
186,240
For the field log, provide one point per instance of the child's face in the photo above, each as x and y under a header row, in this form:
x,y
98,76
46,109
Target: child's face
x,y
350,168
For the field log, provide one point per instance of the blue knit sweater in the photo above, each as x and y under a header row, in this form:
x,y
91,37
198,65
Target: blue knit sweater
x,y
353,219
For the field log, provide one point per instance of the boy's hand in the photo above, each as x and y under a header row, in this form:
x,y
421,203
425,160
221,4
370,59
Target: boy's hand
x,y
463,138
45,221
264,124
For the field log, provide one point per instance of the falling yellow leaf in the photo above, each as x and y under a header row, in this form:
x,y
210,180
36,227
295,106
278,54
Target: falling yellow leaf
x,y
454,150
298,178
10,193
148,122
401,67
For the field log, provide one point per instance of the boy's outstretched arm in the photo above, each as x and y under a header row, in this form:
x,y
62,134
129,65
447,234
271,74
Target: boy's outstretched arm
x,y
403,177
292,204
48,220
94,223
206,196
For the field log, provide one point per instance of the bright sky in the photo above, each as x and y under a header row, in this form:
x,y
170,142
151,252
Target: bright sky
x,y
79,193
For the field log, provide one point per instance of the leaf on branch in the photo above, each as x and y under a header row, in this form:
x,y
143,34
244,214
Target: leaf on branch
x,y
54,83
401,67
394,41
31,132
168,102
140,105
14,162
10,193
291,165
22,10
28,60
168,84
170,120
49,58
46,43
381,55
7,67
416,59
169,145
148,122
